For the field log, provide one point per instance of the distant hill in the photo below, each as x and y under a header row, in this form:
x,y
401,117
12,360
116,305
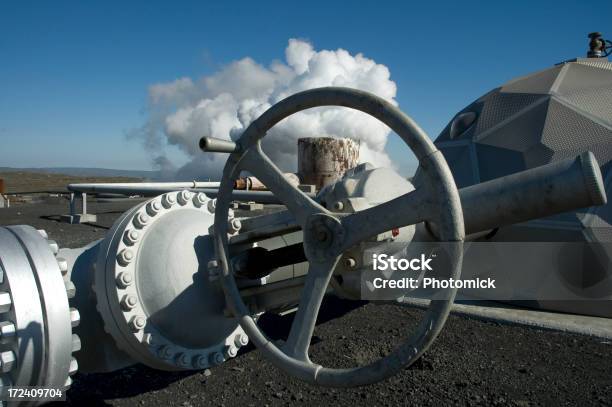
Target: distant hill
x,y
29,180
89,172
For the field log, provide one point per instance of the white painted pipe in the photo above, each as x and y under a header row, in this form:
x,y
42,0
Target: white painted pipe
x,y
139,188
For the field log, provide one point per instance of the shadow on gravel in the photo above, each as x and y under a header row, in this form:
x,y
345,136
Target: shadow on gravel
x,y
277,326
94,389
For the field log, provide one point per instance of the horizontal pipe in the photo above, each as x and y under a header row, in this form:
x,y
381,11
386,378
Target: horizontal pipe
x,y
217,145
139,188
553,188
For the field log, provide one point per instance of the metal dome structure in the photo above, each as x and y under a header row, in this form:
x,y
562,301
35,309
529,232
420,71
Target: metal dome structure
x,y
534,120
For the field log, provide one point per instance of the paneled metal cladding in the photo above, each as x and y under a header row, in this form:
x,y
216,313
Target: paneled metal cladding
x,y
543,117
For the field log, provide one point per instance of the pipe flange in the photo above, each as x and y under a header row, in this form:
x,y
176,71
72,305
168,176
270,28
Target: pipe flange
x,y
146,282
36,338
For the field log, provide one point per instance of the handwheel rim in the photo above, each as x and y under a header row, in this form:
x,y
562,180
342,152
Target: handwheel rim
x,y
451,230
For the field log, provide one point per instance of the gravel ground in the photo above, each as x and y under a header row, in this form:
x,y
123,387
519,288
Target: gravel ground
x,y
471,363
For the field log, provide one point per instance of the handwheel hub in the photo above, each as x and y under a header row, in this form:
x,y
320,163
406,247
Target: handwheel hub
x,y
323,236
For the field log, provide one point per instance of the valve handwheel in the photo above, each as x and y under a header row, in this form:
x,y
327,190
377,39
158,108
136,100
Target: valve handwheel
x,y
327,235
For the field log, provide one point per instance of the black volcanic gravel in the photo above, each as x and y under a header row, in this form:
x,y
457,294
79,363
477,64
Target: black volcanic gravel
x,y
471,363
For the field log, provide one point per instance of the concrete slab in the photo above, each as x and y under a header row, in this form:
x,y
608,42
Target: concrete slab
x,y
79,218
597,327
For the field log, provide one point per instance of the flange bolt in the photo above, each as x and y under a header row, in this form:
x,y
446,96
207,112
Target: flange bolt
x,y
137,323
124,279
230,351
154,207
212,205
241,340
200,199
125,257
128,302
234,225
216,358
131,236
183,197
141,220
201,362
168,200
350,263
63,265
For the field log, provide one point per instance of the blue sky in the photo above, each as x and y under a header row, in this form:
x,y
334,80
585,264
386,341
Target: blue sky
x,y
74,75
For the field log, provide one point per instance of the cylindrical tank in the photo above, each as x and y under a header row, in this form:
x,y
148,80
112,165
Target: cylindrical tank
x,y
323,160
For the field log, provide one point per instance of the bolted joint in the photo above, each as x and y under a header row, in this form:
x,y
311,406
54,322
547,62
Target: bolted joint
x,y
7,360
230,351
54,246
124,279
63,265
200,199
75,317
183,360
70,289
7,330
5,301
201,362
168,200
212,205
131,236
350,263
234,225
154,207
125,257
241,340
184,197
128,302
141,220
137,323
216,358
165,352
74,366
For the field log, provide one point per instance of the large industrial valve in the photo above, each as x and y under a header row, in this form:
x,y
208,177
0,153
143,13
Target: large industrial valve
x,y
150,278
179,280
327,235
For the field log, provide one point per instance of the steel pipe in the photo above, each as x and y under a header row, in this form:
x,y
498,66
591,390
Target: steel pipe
x,y
542,191
139,188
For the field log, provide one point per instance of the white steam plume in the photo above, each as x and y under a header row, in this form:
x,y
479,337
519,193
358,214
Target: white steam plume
x,y
222,105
